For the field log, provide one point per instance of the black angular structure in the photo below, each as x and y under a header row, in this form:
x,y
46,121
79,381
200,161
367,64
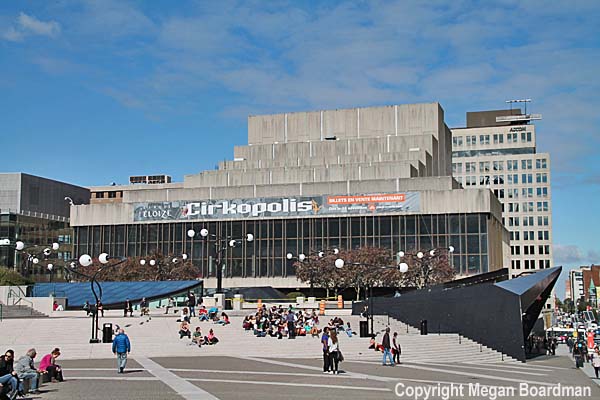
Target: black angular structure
x,y
499,315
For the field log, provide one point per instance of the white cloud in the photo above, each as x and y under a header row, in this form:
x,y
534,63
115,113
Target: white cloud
x,y
27,25
572,254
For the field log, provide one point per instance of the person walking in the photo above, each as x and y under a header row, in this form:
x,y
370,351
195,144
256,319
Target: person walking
x,y
291,323
192,304
325,346
121,347
170,304
397,350
334,351
595,356
128,308
385,343
578,354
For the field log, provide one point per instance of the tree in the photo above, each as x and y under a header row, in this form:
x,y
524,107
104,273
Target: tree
x,y
426,271
10,277
132,270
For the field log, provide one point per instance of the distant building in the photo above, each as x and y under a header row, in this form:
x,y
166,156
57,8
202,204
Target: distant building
x,y
584,283
497,150
35,211
568,289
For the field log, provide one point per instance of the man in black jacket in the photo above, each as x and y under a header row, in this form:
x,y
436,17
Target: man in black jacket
x,y
387,348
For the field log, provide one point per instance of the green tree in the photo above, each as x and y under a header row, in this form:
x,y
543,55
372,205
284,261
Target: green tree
x,y
10,277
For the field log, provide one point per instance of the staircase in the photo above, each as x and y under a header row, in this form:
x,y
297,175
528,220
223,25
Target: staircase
x,y
20,311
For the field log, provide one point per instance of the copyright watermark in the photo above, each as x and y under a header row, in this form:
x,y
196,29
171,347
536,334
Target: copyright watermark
x,y
491,392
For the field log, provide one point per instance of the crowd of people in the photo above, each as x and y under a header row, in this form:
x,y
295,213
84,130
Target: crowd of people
x,y
14,374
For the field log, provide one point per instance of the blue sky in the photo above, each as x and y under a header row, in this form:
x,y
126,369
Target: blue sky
x,y
94,91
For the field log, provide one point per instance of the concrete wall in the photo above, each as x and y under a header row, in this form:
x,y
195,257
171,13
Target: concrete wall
x,y
10,192
48,196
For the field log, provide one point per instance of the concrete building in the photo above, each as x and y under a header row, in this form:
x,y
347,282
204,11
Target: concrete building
x,y
306,181
34,210
497,150
584,279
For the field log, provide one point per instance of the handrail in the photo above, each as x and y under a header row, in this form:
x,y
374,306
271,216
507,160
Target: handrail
x,y
12,293
1,311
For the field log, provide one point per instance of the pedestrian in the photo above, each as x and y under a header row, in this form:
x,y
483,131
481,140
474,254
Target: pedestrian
x,y
86,308
596,361
100,308
578,354
385,343
291,319
397,350
128,308
333,347
25,369
570,344
192,304
121,347
325,347
553,347
144,307
170,304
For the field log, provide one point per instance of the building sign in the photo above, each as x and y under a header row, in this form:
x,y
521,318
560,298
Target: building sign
x,y
299,206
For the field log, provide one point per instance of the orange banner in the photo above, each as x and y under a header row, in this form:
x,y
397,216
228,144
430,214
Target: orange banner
x,y
373,198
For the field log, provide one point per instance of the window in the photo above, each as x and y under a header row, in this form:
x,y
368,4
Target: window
x,y
543,235
541,177
544,249
112,195
457,168
516,235
511,137
515,250
540,163
498,165
528,235
484,139
513,193
526,192
484,180
542,192
528,221
484,166
512,165
528,206
498,179
471,140
525,137
516,264
513,221
470,180
512,179
526,164
469,167
513,207
542,206
542,220
499,194
459,179
529,250
99,195
457,141
498,138
526,178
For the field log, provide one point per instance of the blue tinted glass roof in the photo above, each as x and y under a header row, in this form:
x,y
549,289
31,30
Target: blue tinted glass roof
x,y
113,292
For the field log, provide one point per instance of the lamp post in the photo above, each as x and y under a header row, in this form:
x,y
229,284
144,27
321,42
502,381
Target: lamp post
x,y
33,255
154,261
403,268
308,259
221,243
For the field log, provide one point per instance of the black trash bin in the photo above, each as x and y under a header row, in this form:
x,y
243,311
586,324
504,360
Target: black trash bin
x,y
363,328
423,327
228,304
107,333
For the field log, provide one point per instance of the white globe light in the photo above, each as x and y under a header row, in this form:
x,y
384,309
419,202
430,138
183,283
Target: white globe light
x,y
47,251
336,251
420,254
232,243
400,254
85,260
55,246
321,254
184,256
175,260
142,262
153,262
339,263
451,249
50,266
19,245
35,260
103,258
301,257
432,253
191,233
403,267
73,265
204,232
289,256
249,237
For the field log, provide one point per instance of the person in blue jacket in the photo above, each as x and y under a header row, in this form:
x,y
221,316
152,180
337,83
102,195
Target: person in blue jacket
x,y
121,347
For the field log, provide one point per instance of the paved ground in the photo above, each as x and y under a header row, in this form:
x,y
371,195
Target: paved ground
x,y
244,367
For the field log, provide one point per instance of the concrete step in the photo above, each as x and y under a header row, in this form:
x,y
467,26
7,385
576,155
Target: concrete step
x,y
20,311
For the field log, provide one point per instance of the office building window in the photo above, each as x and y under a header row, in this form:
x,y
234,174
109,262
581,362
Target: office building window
x,y
498,179
498,138
512,165
484,139
516,264
512,193
528,221
542,206
526,178
528,235
513,221
484,180
498,165
457,168
459,179
541,177
526,137
511,137
540,163
529,250
484,166
515,250
512,179
528,206
470,180
471,140
499,194
516,235
543,220
542,192
457,141
543,235
470,167
526,192
526,164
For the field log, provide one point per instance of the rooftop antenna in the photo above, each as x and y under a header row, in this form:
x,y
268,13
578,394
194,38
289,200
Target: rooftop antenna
x,y
518,101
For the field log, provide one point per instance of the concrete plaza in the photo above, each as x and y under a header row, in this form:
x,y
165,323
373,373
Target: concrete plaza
x,y
162,366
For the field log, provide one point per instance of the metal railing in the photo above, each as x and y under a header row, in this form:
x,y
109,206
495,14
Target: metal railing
x,y
1,311
18,298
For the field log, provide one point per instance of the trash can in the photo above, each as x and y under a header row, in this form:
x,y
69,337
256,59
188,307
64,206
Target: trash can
x,y
107,333
228,304
423,327
363,328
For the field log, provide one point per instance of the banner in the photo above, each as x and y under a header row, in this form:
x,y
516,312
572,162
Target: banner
x,y
296,206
